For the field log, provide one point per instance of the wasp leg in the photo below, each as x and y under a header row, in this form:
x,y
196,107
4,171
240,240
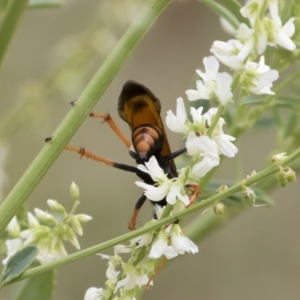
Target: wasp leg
x,y
138,205
87,154
173,155
107,118
160,265
196,191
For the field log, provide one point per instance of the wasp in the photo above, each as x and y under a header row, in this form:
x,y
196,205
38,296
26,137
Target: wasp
x,y
140,109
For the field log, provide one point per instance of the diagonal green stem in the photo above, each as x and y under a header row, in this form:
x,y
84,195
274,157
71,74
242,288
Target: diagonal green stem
x,y
159,223
9,24
75,117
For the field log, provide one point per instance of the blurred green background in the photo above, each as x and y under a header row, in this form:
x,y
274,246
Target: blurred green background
x,y
255,257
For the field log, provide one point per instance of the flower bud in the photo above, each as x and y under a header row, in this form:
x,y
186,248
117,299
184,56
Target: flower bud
x,y
278,157
291,175
249,195
44,216
13,227
222,188
282,177
74,191
219,208
55,206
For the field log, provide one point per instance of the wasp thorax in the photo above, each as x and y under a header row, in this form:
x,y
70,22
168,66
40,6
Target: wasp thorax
x,y
147,140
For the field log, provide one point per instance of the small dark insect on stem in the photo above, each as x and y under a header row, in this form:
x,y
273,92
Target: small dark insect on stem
x,y
73,103
48,139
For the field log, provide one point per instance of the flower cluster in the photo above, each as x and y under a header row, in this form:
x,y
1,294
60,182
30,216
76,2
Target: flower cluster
x,y
48,230
205,142
266,30
123,278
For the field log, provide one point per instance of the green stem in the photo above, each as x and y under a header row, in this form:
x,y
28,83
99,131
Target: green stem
x,y
9,24
215,120
75,117
222,11
162,222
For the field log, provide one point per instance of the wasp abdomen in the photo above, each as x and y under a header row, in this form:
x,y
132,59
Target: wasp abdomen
x,y
147,140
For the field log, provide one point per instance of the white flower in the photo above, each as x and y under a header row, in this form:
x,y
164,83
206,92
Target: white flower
x,y
45,256
223,88
142,240
160,245
122,249
171,189
211,83
181,243
154,170
224,144
282,34
177,123
198,118
201,146
223,140
269,30
258,78
251,10
204,147
232,53
204,166
170,252
152,192
133,278
93,293
111,272
13,227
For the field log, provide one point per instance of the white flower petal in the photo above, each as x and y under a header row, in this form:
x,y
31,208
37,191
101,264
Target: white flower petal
x,y
170,252
13,227
153,193
182,244
159,246
204,166
177,123
93,293
223,91
225,146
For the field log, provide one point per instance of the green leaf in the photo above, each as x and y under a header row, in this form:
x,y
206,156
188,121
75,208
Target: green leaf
x,y
292,102
252,99
36,288
45,3
18,263
286,10
264,123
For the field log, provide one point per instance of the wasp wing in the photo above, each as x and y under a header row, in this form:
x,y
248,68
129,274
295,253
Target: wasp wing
x,y
138,106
